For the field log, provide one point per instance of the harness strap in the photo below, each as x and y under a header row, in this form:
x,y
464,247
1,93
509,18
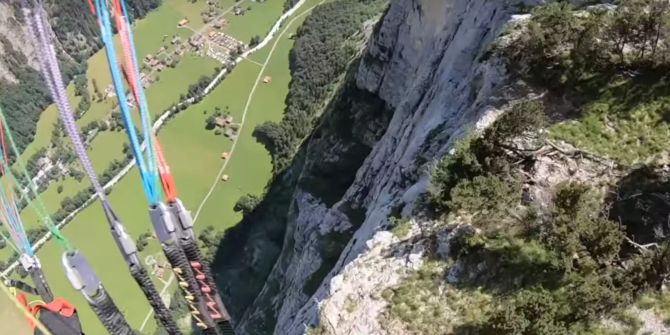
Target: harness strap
x,y
58,305
21,286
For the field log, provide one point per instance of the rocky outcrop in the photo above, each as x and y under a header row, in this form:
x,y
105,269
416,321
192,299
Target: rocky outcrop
x,y
426,64
16,35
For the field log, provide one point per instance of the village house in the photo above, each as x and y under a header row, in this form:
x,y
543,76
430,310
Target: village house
x,y
147,60
220,122
219,24
196,41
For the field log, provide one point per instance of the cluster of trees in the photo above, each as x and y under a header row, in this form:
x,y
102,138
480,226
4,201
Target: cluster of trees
x,y
101,125
289,4
80,85
481,165
126,151
233,56
254,41
560,47
246,203
69,204
142,241
81,90
31,163
198,88
96,90
210,122
35,234
75,16
69,16
570,270
114,167
62,152
116,121
317,59
549,273
77,174
209,241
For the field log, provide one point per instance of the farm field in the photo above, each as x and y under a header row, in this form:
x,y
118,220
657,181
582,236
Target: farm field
x,y
184,137
255,22
250,158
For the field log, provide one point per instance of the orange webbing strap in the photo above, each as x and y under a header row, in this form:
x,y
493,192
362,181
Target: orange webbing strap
x,y
167,180
23,301
58,305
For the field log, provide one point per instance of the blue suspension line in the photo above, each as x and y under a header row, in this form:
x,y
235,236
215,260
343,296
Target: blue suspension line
x,y
149,179
143,105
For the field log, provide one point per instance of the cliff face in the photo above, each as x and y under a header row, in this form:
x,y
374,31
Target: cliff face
x,y
14,37
423,82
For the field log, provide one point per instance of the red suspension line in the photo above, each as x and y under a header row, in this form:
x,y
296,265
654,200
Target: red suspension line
x,y
167,180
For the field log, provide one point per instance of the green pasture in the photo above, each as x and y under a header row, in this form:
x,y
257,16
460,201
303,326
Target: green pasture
x,y
255,22
174,82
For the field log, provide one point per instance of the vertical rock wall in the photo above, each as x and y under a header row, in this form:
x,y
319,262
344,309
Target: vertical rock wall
x,y
427,66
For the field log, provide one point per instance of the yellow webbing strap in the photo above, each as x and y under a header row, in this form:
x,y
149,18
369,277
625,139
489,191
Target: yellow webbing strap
x,y
183,285
11,318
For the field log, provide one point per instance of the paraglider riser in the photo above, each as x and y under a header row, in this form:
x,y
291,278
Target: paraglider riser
x,y
110,316
177,258
193,254
161,311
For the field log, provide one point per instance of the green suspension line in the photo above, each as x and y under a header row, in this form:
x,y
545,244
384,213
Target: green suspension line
x,y
37,203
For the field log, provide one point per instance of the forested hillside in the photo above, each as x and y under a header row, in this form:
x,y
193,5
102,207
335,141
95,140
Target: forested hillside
x,y
317,59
